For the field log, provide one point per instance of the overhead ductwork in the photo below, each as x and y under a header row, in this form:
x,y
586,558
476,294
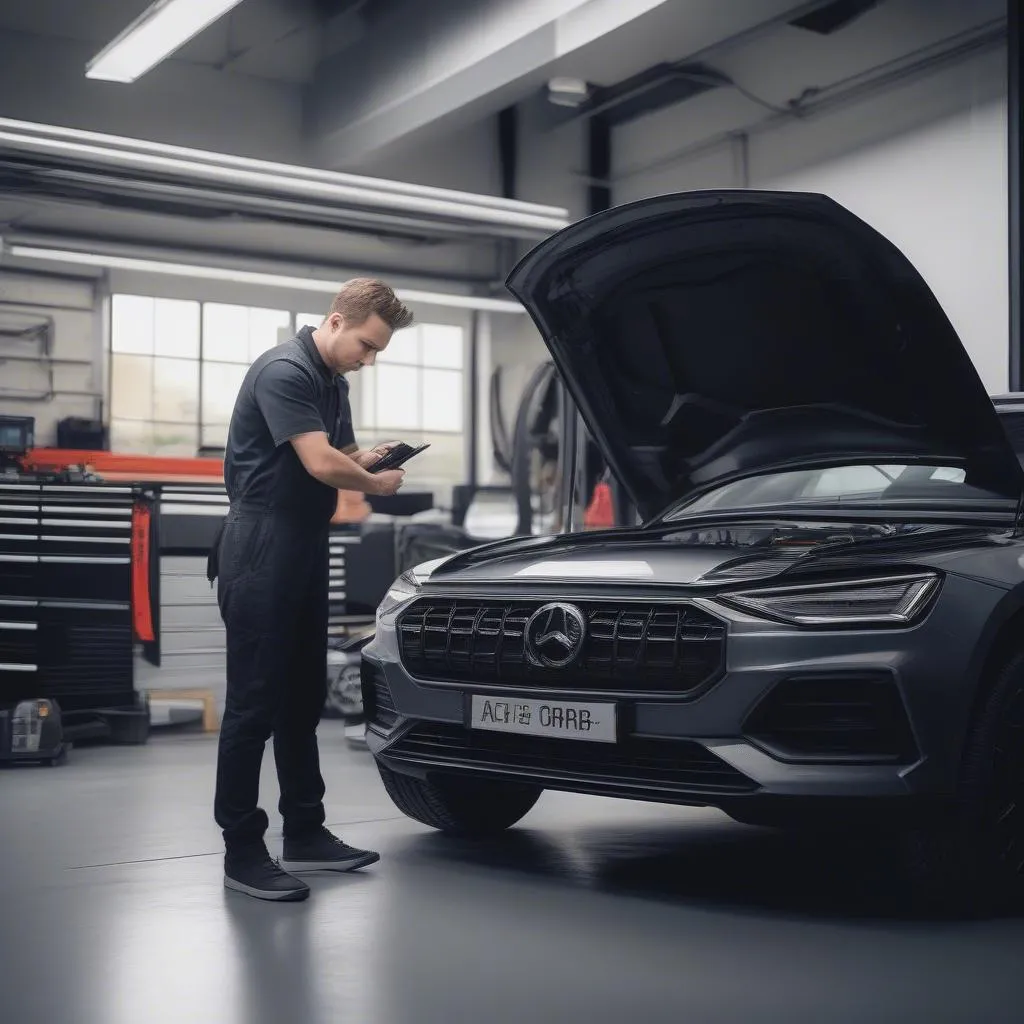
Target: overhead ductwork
x,y
64,164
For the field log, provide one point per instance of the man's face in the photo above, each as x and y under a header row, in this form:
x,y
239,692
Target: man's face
x,y
353,346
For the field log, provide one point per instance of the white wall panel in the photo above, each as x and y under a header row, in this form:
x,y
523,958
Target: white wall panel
x,y
76,353
940,194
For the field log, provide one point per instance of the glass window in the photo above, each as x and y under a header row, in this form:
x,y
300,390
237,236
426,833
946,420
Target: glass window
x,y
131,324
225,333
221,382
874,484
442,400
131,387
267,328
416,384
176,328
308,320
177,365
174,439
442,346
404,347
176,390
214,435
131,436
397,397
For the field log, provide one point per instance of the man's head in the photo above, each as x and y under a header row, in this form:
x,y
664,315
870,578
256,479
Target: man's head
x,y
364,315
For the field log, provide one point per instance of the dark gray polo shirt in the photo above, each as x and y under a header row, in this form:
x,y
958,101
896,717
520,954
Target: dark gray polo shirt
x,y
287,391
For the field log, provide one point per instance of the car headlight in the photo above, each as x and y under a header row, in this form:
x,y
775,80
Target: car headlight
x,y
880,601
400,592
405,587
27,725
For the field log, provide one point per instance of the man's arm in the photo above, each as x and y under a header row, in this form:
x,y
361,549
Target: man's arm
x,y
286,397
339,470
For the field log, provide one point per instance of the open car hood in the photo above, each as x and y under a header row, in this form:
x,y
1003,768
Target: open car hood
x,y
710,336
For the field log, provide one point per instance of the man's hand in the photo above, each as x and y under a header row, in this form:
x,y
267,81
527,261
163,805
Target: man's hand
x,y
389,481
368,457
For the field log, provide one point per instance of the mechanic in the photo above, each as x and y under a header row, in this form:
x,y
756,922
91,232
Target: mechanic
x,y
290,449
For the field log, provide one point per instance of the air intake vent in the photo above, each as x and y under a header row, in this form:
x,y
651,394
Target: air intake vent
x,y
859,718
378,704
645,768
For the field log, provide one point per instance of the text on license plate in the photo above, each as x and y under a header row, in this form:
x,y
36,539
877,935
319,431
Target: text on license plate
x,y
573,720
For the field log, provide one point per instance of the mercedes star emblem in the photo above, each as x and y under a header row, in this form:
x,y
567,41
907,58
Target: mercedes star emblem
x,y
555,634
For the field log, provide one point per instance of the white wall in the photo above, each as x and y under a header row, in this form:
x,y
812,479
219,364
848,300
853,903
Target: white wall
x,y
925,162
940,194
78,372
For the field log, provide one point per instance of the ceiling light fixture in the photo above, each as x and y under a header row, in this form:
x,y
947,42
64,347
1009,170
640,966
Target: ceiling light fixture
x,y
263,280
162,28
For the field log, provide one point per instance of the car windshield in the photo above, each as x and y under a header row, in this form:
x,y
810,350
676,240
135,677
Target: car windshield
x,y
867,484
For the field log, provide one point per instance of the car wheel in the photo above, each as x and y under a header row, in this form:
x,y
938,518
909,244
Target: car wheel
x,y
462,807
973,863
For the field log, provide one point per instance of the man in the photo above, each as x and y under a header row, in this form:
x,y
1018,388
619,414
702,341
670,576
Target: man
x,y
290,449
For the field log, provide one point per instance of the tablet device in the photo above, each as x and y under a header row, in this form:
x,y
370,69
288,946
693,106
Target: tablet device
x,y
397,457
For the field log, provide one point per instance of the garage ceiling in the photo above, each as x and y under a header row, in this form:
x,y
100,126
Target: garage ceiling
x,y
275,40
361,85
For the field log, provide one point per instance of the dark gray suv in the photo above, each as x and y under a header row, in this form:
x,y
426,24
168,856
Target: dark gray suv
x,y
819,620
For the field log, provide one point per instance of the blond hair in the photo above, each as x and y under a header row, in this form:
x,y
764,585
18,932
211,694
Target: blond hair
x,y
361,297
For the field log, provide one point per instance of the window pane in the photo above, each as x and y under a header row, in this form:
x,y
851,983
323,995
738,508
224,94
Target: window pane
x,y
131,436
225,332
442,345
442,400
131,387
398,397
131,324
404,347
221,382
176,390
264,325
176,328
175,439
364,397
307,320
215,435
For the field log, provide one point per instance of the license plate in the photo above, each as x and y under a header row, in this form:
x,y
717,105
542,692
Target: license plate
x,y
563,719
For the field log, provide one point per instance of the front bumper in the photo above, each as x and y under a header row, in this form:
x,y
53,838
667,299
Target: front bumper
x,y
715,749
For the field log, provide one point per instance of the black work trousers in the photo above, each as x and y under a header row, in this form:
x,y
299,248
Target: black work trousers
x,y
272,586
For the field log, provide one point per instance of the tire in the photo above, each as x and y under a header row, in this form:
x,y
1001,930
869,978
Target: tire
x,y
972,864
460,807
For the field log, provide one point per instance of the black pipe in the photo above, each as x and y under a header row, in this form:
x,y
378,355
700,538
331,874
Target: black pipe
x,y
1014,141
472,425
599,163
508,152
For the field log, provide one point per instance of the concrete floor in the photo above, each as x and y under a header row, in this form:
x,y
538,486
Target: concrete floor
x,y
112,911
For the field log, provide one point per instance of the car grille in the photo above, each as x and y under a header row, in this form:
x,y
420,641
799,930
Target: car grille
x,y
629,647
636,767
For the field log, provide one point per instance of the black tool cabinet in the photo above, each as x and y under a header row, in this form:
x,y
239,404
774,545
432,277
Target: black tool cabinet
x,y
66,616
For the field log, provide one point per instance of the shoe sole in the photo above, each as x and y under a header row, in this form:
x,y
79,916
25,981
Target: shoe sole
x,y
273,895
296,867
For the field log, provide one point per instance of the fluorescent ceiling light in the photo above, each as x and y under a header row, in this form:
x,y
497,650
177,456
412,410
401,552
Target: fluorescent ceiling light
x,y
162,28
90,259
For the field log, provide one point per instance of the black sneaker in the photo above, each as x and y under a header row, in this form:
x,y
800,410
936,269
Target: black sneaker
x,y
322,851
256,874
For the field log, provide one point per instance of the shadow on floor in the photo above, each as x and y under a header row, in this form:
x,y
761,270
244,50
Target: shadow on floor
x,y
712,864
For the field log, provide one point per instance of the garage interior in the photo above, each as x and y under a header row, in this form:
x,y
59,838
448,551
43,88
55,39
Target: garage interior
x,y
163,225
